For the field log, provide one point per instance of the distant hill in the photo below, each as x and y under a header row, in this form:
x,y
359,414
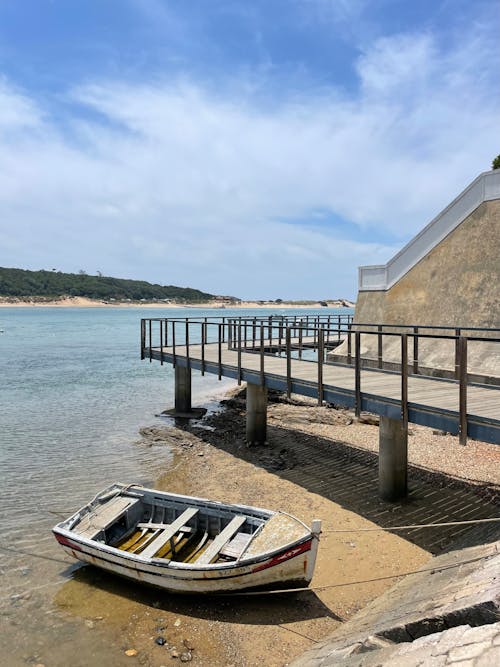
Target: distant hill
x,y
54,284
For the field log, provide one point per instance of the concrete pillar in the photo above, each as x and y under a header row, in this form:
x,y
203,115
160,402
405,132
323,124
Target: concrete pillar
x,y
256,414
393,459
183,409
182,389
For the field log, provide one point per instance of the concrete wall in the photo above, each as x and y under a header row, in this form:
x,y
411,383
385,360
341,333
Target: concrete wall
x,y
456,284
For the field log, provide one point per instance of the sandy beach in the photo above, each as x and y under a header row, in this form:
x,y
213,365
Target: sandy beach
x,y
318,464
83,302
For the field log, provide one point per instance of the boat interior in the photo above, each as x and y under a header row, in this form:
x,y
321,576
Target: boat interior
x,y
155,525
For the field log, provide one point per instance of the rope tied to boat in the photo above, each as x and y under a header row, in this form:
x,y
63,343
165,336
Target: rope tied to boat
x,y
343,584
412,526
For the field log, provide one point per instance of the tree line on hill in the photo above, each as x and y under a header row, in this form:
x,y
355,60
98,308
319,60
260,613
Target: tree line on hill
x,y
55,284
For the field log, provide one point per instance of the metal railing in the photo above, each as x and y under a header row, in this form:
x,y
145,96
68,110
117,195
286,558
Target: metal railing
x,y
417,332
307,338
485,187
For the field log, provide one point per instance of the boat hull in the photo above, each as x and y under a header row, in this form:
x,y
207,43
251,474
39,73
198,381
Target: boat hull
x,y
287,568
277,550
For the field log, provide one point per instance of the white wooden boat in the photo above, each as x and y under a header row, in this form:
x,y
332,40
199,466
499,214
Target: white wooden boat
x,y
190,545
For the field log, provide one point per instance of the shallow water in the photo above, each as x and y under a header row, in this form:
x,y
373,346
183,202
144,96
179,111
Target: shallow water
x,y
73,396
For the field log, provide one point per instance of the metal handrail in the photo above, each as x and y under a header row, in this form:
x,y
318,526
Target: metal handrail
x,y
267,336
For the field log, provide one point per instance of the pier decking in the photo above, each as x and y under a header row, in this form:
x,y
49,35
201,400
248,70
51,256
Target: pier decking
x,y
289,355
429,401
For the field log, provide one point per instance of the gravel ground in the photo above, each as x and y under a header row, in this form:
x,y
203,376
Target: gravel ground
x,y
477,462
319,462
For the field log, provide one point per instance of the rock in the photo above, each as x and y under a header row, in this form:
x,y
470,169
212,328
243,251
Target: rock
x,y
186,657
131,652
89,623
201,454
174,653
367,418
177,622
161,641
188,644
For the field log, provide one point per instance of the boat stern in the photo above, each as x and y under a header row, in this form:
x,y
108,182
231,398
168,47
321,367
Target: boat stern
x,y
311,559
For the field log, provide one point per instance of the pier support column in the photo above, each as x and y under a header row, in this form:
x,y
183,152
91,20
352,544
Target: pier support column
x,y
182,389
183,408
256,414
393,459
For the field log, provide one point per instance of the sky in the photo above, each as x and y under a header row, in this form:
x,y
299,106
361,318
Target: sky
x,y
257,148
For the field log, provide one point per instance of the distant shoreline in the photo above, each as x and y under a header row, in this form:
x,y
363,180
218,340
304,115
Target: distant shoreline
x,y
83,302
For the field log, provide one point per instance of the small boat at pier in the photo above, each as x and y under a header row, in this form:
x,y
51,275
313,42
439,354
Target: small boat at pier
x,y
190,545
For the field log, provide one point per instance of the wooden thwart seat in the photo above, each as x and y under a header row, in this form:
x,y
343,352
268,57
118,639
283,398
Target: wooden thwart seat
x,y
103,516
235,547
213,549
168,533
160,526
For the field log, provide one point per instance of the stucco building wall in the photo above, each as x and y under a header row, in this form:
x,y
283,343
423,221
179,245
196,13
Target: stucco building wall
x,y
456,284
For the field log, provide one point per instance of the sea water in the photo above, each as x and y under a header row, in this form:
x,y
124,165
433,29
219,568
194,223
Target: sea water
x,y
73,397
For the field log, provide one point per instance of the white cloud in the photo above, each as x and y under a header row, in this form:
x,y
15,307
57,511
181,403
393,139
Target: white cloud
x,y
17,111
180,184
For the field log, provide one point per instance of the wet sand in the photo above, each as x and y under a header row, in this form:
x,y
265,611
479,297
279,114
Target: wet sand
x,y
96,617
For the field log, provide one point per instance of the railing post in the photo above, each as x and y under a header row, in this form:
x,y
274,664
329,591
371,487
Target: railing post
x,y
150,343
357,373
288,362
220,341
161,342
379,346
300,341
457,354
203,340
174,356
321,350
239,352
404,379
349,343
262,376
143,338
462,376
188,363
415,351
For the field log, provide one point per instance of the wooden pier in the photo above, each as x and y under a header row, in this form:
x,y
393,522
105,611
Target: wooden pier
x,y
289,354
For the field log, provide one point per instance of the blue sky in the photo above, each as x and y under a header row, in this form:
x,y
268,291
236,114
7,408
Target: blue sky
x,y
262,148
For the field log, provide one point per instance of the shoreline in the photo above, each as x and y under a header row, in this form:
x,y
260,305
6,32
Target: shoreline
x,y
318,463
83,302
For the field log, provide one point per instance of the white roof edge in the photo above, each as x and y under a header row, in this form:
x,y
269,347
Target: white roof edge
x,y
383,276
